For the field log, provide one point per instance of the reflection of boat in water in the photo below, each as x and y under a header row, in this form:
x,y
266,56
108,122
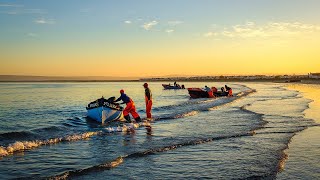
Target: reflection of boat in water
x,y
201,93
104,110
168,86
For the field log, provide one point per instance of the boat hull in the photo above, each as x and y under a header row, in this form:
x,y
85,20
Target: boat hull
x,y
166,86
104,114
200,93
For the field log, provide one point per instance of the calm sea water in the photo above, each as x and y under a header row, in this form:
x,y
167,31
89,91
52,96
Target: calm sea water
x,y
44,132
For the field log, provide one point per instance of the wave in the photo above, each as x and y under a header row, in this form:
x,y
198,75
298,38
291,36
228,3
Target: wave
x,y
114,163
206,105
38,133
192,113
244,108
100,167
19,146
292,125
187,103
17,134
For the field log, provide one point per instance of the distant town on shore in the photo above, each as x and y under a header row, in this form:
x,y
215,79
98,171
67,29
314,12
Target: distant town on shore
x,y
272,78
264,78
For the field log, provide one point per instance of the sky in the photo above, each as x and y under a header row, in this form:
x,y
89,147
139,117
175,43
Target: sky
x,y
144,38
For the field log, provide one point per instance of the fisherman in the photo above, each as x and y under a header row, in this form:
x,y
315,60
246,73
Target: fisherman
x,y
130,107
214,89
206,88
148,100
229,90
175,83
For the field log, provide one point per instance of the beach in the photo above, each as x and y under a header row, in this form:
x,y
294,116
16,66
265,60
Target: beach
x,y
304,148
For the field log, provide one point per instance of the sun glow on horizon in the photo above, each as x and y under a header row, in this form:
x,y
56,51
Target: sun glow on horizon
x,y
103,42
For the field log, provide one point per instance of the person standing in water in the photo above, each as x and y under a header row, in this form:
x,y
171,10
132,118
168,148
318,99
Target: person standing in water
x,y
229,90
130,107
148,100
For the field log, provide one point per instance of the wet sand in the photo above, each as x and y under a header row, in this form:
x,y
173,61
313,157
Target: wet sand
x,y
304,149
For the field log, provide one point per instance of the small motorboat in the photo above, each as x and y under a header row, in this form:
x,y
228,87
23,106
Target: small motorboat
x,y
202,93
168,86
104,110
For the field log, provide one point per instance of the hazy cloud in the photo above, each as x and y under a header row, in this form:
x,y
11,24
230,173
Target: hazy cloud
x,y
10,5
228,34
127,22
44,21
210,34
148,26
34,11
14,9
174,23
169,31
249,23
32,35
270,29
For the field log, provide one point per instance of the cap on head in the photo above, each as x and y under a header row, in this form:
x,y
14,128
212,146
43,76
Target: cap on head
x,y
145,85
121,91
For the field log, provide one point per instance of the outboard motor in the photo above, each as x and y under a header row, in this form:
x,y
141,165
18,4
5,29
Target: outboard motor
x,y
111,99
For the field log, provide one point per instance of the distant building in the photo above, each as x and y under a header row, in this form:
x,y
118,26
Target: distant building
x,y
314,75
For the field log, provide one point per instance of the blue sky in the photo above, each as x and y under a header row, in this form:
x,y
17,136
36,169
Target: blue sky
x,y
36,28
95,16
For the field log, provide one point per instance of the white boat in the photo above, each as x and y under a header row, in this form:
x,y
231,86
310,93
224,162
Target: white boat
x,y
104,110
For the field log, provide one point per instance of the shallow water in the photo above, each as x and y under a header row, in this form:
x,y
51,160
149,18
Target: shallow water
x,y
45,133
304,149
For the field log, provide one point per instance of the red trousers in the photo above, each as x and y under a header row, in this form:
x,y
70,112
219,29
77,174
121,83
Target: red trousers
x,y
148,108
130,108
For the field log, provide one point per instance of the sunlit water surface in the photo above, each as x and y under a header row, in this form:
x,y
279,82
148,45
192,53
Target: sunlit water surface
x,y
45,133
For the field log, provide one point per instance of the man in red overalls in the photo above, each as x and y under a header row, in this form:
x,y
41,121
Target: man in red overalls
x,y
148,100
130,107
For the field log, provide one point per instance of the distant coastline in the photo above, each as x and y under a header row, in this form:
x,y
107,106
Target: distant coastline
x,y
21,78
251,78
309,78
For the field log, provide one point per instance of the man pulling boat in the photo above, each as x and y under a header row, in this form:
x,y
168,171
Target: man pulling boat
x,y
130,107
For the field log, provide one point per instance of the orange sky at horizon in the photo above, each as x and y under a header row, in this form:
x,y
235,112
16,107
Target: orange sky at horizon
x,y
200,58
106,42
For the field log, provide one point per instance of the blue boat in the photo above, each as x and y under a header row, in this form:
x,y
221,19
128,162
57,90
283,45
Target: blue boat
x,y
104,110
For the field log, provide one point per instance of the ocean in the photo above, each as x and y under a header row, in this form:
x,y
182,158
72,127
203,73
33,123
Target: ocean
x,y
45,134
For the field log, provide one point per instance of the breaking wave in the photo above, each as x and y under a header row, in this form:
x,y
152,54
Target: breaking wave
x,y
27,145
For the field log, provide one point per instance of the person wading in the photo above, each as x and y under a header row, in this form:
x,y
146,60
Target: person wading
x,y
229,90
148,100
130,107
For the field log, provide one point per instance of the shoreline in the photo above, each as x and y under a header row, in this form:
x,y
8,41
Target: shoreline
x,y
308,81
304,149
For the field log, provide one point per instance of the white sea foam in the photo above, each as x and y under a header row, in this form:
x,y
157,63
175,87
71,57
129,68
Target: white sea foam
x,y
124,128
192,113
26,145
